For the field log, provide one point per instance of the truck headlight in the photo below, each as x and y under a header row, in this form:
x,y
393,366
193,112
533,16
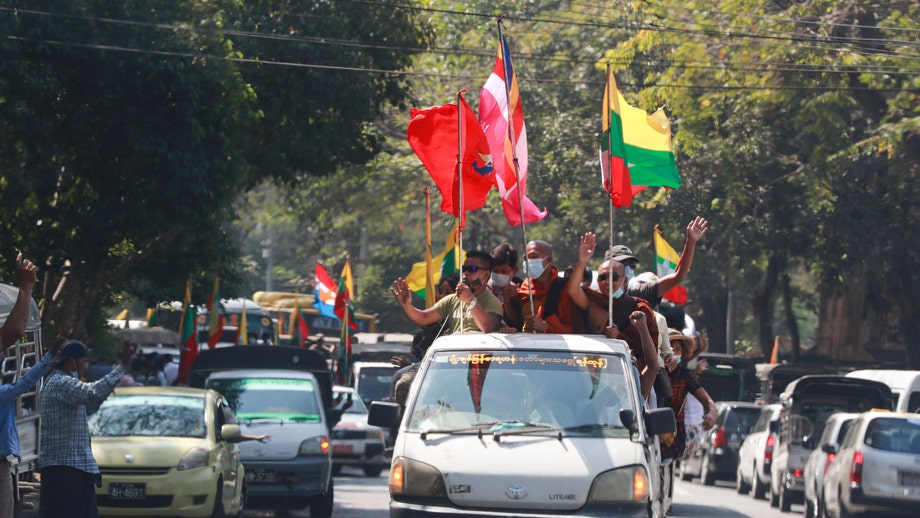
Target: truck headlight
x,y
629,484
314,446
412,478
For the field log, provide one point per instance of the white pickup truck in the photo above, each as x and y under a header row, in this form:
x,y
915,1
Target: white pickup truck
x,y
18,359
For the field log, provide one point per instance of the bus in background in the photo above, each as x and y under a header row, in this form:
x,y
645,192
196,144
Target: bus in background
x,y
280,305
260,329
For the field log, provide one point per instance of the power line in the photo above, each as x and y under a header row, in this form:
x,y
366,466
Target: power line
x,y
777,67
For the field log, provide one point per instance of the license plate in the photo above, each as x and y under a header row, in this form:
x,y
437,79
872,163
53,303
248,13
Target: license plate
x,y
128,490
343,448
909,478
260,476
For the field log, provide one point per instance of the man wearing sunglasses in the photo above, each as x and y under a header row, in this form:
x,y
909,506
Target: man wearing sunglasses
x,y
611,278
472,308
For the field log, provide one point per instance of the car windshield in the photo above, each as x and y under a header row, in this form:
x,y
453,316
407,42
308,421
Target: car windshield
x,y
500,391
356,407
150,416
374,382
284,399
894,434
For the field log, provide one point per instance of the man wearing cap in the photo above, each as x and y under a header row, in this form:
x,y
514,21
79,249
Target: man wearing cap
x,y
652,291
68,469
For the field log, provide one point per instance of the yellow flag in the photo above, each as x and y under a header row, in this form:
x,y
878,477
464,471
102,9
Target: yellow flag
x,y
444,263
244,334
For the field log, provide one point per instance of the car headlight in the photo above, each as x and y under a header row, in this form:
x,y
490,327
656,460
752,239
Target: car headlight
x,y
194,458
412,478
314,446
629,484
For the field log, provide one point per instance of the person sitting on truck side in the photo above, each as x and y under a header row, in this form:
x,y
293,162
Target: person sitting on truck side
x,y
611,278
541,304
10,434
68,469
473,307
18,319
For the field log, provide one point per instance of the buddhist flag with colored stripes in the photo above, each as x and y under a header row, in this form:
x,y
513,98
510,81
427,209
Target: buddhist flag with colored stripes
x,y
666,259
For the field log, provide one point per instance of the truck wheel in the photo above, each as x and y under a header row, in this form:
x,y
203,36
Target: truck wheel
x,y
707,477
785,500
774,497
321,506
372,471
757,489
740,485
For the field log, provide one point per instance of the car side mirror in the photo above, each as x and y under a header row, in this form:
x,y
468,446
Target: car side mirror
x,y
231,433
774,426
333,415
660,420
830,448
628,418
383,414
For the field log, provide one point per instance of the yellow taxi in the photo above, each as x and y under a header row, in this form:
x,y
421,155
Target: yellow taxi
x,y
167,451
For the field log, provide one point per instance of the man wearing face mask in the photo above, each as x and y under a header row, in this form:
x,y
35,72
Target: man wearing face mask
x,y
69,473
551,309
611,275
472,307
653,291
504,282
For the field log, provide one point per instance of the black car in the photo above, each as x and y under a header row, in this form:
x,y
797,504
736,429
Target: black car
x,y
715,456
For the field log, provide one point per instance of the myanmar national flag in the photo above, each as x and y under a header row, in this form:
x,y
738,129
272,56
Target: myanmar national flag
x,y
188,336
215,315
299,331
646,146
152,319
343,297
666,259
445,263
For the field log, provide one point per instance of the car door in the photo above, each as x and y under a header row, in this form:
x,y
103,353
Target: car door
x,y
228,456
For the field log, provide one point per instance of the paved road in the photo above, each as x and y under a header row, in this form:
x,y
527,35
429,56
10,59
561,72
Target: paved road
x,y
357,496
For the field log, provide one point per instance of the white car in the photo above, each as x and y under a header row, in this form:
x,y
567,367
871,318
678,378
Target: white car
x,y
834,430
877,466
526,425
354,442
755,457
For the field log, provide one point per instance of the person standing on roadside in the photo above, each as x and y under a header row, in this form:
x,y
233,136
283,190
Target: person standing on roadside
x,y
68,470
12,330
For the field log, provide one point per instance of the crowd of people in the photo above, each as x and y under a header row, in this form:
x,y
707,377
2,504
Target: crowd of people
x,y
491,297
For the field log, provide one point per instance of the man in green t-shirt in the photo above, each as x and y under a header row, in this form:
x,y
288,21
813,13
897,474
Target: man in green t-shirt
x,y
472,307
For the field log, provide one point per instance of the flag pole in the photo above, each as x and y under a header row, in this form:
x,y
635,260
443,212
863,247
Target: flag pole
x,y
429,273
460,214
514,157
610,207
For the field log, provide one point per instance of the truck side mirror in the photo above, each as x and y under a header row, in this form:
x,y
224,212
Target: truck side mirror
x,y
628,418
383,414
660,420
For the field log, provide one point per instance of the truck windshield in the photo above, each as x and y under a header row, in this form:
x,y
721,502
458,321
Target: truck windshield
x,y
491,391
255,399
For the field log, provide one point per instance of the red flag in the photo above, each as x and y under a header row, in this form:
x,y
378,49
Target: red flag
x,y
493,112
299,331
433,134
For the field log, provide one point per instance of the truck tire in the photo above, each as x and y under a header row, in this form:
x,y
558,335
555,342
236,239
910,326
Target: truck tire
x,y
785,500
741,486
774,497
321,506
758,491
707,477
